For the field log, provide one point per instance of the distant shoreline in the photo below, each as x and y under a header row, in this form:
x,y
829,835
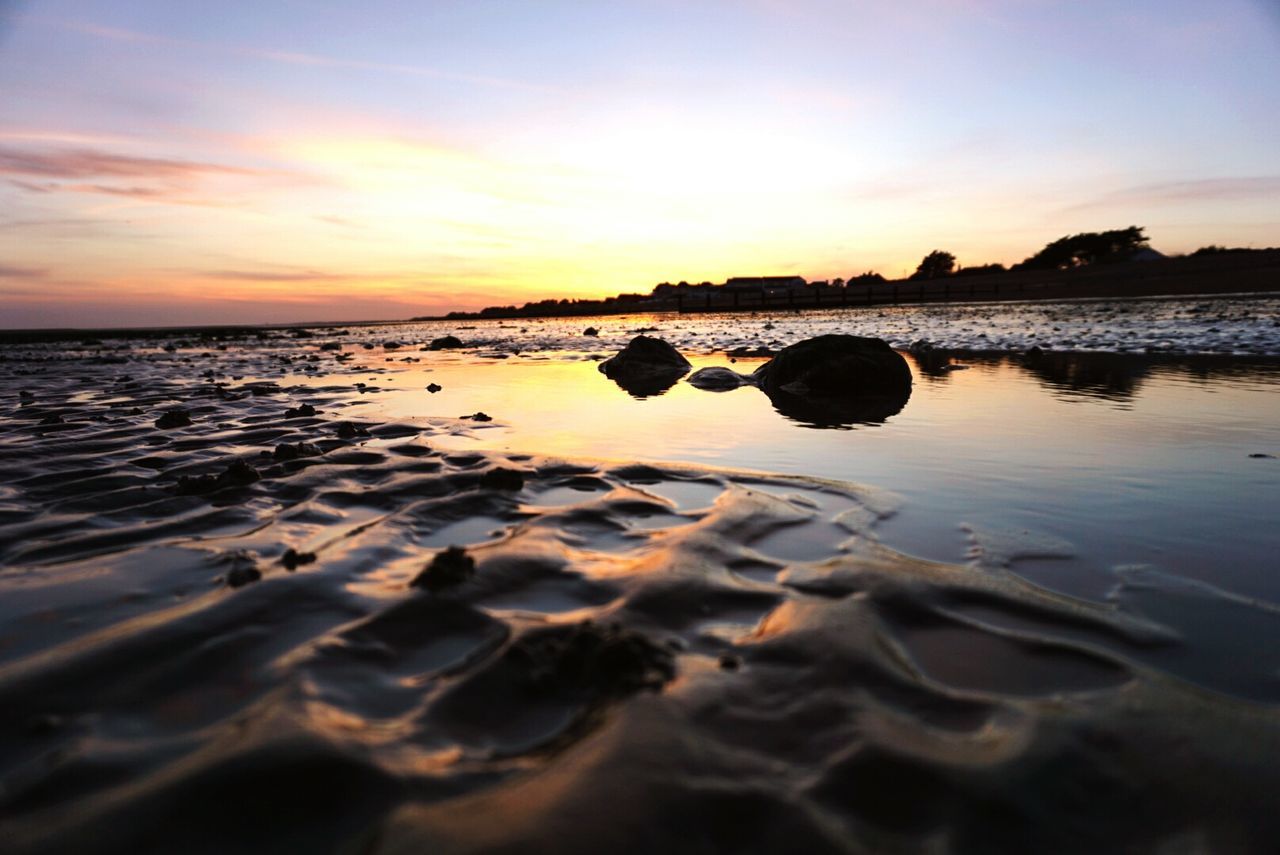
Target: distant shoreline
x,y
1241,275
1234,272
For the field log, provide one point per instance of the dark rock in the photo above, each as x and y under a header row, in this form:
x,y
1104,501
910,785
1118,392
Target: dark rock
x,y
502,479
591,331
174,419
646,366
729,662
391,345
292,559
604,661
836,380
451,567
347,430
716,379
479,417
304,411
238,474
447,342
239,576
752,351
293,450
836,365
331,345
1261,456
434,387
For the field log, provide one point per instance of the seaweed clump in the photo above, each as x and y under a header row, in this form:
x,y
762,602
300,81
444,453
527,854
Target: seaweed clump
x,y
604,660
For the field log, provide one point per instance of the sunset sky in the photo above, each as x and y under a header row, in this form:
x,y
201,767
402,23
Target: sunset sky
x,y
182,162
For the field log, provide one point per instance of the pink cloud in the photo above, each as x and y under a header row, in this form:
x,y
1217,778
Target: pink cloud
x,y
82,163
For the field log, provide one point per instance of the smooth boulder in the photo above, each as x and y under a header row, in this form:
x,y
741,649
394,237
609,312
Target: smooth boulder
x,y
717,379
646,366
836,366
836,380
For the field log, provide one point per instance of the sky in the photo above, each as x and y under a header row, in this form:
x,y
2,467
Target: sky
x,y
174,162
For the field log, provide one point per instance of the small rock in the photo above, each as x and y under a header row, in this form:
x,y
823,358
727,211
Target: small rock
x,y
1258,455
306,410
434,387
729,662
591,331
347,430
239,576
717,379
502,479
293,450
450,567
447,342
479,417
292,559
238,474
174,419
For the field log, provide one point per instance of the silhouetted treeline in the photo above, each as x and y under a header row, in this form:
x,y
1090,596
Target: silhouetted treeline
x,y
1070,252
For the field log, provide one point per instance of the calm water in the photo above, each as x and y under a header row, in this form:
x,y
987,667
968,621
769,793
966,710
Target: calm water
x,y
1072,468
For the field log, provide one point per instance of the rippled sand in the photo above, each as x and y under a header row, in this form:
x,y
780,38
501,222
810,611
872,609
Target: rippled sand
x,y
646,657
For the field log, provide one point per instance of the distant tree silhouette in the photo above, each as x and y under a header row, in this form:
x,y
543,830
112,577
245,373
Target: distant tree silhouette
x,y
980,270
934,265
1087,248
868,278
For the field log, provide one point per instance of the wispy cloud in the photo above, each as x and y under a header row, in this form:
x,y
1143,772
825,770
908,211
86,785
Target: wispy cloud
x,y
1201,190
11,272
273,275
85,163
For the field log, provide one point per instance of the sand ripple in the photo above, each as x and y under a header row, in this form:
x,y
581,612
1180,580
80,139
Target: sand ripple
x,y
645,658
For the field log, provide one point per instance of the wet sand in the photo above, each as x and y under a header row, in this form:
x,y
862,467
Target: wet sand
x,y
235,631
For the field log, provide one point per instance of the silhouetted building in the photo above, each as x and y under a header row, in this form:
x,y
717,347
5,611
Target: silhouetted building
x,y
770,284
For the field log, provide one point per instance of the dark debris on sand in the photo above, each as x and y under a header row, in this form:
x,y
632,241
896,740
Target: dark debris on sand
x,y
606,660
237,474
174,419
451,567
500,478
350,430
293,450
238,577
306,410
293,559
